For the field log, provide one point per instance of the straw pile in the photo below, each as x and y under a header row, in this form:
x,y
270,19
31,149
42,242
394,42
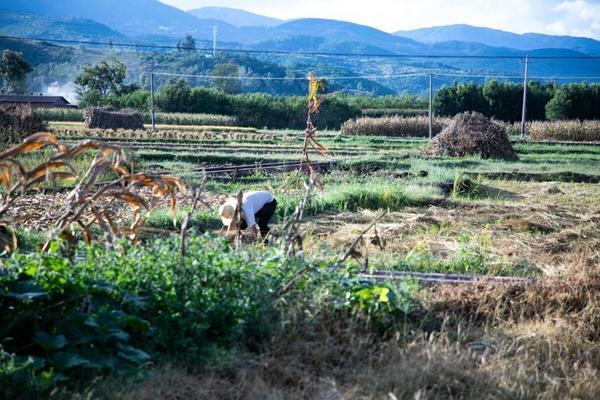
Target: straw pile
x,y
17,122
106,118
472,133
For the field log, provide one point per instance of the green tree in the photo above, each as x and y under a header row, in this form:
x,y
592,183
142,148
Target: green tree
x,y
188,43
104,78
224,78
13,69
174,96
503,100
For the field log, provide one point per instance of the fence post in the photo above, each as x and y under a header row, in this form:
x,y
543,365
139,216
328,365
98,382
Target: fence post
x,y
524,110
430,106
152,99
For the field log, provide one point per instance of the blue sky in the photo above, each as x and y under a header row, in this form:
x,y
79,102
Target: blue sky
x,y
562,17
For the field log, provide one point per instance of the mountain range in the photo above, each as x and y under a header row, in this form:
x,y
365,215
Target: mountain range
x,y
152,22
143,18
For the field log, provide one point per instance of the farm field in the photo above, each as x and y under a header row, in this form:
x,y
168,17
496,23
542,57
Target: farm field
x,y
330,333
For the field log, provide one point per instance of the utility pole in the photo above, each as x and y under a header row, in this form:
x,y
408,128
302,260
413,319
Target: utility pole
x,y
152,100
215,30
524,110
430,106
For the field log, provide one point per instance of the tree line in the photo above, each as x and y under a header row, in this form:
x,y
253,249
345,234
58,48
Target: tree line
x,y
504,100
105,84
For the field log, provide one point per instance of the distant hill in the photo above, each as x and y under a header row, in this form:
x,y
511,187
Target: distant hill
x,y
234,16
32,25
499,38
130,17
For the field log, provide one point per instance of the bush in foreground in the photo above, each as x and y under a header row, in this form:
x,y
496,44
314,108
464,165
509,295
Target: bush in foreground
x,y
68,321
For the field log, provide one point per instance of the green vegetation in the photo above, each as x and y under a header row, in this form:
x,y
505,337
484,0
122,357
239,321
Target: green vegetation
x,y
13,70
503,100
140,321
111,311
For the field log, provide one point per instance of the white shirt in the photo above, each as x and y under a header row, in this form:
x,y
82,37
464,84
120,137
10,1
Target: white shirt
x,y
252,202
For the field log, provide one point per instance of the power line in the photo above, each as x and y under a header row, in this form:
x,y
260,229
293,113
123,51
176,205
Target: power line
x,y
303,53
374,77
292,78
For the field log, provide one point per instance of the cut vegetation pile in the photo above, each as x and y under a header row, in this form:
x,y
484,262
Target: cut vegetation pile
x,y
18,122
473,134
393,126
105,118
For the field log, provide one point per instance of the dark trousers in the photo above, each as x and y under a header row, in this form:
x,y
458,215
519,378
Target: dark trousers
x,y
262,217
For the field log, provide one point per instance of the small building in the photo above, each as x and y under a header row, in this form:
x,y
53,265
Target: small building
x,y
36,101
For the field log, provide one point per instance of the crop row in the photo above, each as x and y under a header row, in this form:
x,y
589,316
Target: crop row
x,y
75,115
396,126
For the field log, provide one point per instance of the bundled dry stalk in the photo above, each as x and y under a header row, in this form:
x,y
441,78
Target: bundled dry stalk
x,y
473,134
18,122
112,119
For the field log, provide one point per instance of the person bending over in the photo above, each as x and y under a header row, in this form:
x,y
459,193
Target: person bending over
x,y
257,208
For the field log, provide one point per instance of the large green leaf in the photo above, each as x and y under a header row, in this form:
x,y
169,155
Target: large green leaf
x,y
63,361
22,290
49,342
132,354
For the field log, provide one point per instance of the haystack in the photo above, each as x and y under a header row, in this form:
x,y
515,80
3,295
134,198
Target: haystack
x,y
108,118
17,122
472,133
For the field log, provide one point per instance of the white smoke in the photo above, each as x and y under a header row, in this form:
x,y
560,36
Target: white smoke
x,y
68,91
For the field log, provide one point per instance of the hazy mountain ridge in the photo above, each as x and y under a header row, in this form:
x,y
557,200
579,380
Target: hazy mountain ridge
x,y
151,17
499,38
34,25
234,16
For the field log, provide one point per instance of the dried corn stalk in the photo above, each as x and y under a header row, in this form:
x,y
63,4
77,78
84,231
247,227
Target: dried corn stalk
x,y
91,202
316,96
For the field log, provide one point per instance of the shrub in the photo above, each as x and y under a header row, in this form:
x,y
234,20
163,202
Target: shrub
x,y
98,118
18,122
393,126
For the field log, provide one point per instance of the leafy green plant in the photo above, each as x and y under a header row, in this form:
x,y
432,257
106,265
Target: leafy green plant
x,y
109,310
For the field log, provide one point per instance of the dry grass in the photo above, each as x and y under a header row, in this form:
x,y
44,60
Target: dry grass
x,y
393,126
200,133
531,230
535,342
577,131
